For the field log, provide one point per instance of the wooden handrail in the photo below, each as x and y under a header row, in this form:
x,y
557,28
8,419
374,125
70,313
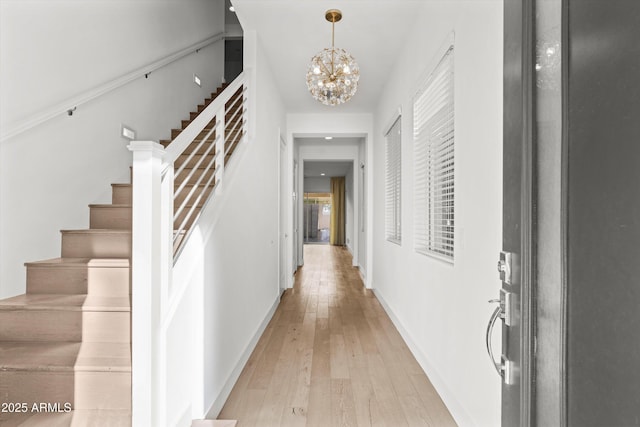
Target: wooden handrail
x,y
72,103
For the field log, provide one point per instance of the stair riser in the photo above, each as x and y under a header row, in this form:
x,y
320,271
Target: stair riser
x,y
67,326
185,192
103,390
188,207
82,390
96,245
231,130
204,132
202,135
194,160
209,125
112,218
193,146
95,281
181,218
194,178
121,195
231,103
234,125
37,387
105,326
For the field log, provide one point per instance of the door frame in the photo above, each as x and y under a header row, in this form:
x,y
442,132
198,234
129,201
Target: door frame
x,y
529,229
320,152
283,228
524,87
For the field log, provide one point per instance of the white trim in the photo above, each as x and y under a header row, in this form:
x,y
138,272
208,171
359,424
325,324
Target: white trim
x,y
330,153
447,43
283,172
460,415
217,405
363,275
71,103
396,114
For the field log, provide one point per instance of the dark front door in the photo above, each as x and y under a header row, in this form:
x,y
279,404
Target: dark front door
x,y
603,213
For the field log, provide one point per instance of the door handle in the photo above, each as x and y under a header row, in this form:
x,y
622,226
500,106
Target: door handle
x,y
497,313
504,367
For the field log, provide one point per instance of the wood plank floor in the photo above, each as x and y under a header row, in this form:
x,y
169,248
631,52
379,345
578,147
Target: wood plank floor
x,y
331,357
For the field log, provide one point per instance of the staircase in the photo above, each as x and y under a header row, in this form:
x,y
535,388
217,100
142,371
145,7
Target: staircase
x,y
65,345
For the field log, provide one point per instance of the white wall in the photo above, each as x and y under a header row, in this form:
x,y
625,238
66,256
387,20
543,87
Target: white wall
x,y
240,259
317,184
440,308
55,50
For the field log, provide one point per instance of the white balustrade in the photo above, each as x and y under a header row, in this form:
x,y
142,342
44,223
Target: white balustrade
x,y
159,232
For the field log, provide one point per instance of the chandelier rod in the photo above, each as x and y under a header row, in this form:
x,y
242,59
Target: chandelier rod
x,y
333,48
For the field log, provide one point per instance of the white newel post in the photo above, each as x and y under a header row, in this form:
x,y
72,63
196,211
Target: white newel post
x,y
146,277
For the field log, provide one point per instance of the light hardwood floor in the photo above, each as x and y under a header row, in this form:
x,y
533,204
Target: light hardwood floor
x,y
331,357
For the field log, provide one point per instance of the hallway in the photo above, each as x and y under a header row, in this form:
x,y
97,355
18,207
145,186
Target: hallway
x,y
332,357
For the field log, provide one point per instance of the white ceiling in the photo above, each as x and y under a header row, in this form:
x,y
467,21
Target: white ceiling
x,y
313,169
292,31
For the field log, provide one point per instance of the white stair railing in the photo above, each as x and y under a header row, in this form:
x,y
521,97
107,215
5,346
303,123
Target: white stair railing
x,y
170,189
214,141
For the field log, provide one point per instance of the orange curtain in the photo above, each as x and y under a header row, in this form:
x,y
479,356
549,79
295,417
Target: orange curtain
x,y
337,225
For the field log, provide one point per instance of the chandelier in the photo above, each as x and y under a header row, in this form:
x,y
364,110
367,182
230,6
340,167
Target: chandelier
x,y
332,76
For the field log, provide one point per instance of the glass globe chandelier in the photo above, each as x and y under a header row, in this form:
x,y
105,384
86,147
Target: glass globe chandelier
x,y
332,76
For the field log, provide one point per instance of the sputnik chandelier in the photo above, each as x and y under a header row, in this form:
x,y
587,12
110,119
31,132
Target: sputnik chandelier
x,y
332,77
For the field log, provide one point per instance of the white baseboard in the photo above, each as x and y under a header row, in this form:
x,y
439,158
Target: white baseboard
x,y
459,414
217,405
363,275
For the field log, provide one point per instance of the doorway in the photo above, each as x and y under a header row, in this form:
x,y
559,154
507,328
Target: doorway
x,y
317,218
319,160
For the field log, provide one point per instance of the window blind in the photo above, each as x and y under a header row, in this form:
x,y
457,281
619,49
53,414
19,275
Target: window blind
x,y
393,183
434,154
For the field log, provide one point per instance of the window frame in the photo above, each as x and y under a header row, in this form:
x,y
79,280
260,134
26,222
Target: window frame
x,y
434,160
393,180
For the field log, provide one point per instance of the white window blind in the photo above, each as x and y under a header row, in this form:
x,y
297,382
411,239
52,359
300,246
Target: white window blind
x,y
433,134
393,183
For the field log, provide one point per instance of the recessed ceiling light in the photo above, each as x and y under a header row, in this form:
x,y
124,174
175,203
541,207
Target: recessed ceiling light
x,y
322,174
232,9
328,137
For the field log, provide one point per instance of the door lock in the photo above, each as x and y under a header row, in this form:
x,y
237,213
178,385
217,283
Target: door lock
x,y
505,267
506,310
508,371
